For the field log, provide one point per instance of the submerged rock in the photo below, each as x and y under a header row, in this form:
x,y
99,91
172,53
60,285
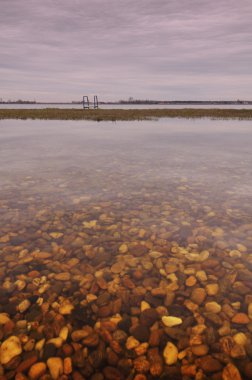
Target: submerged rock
x,y
10,348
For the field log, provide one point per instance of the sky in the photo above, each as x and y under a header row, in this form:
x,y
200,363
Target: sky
x,y
60,50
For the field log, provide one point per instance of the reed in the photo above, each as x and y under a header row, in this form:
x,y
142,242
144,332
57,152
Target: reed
x,y
123,114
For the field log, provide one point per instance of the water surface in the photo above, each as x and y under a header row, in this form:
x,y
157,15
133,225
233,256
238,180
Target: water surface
x,y
98,217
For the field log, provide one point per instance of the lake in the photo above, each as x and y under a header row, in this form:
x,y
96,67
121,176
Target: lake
x,y
127,106
126,247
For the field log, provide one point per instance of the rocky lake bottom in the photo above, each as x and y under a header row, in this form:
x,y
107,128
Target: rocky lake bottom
x,y
126,250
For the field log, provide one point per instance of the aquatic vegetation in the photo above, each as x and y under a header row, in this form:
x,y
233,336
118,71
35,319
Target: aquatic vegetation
x,y
123,114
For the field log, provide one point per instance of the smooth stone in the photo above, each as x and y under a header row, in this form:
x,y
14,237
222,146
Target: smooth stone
x,y
117,267
191,281
123,248
213,307
141,365
148,317
201,275
235,253
144,305
198,295
4,318
37,370
42,255
212,289
198,257
200,350
81,334
238,352
91,297
10,348
209,364
139,250
231,372
170,354
240,338
63,334
55,366
27,363
57,342
23,306
141,333
66,308
68,368
240,318
170,321
132,343
64,276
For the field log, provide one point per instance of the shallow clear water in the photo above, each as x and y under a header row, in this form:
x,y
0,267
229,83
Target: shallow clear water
x,y
135,204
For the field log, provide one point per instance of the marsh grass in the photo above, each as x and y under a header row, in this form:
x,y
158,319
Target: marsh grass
x,y
123,114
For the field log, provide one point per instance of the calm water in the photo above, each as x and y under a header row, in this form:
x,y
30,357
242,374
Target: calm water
x,y
128,212
126,106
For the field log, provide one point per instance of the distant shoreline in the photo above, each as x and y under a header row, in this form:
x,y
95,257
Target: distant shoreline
x,y
139,102
124,114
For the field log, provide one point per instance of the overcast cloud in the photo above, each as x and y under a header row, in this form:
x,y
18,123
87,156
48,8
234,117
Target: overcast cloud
x,y
157,49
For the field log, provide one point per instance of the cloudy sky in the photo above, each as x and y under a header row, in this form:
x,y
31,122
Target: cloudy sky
x,y
148,49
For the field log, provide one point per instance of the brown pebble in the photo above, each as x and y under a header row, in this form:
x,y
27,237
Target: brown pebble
x,y
200,350
190,281
77,376
198,295
231,372
112,373
140,376
155,337
188,370
67,365
27,363
37,370
141,364
20,376
156,362
241,318
148,317
209,364
141,333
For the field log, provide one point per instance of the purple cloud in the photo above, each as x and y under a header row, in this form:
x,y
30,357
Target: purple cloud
x,y
61,50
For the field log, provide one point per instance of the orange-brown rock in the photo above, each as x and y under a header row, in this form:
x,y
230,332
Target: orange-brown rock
x,y
241,318
141,364
37,370
231,372
112,373
27,363
140,376
156,362
77,376
188,370
191,281
209,364
155,337
200,350
198,295
67,365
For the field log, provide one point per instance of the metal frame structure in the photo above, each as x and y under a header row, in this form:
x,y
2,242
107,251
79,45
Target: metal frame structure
x,y
96,104
86,103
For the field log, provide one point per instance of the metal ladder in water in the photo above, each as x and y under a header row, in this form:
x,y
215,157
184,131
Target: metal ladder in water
x,y
86,103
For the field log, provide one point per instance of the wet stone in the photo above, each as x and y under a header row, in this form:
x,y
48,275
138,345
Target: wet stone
x,y
141,333
107,275
148,317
